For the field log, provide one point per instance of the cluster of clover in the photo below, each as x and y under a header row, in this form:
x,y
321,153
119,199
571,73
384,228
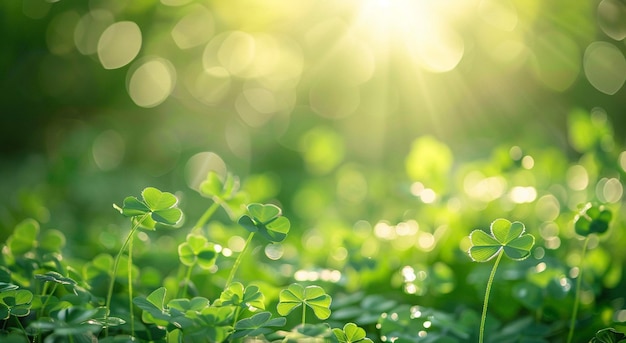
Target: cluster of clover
x,y
240,311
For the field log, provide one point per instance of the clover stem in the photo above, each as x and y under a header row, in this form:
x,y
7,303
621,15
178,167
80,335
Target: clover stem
x,y
486,302
186,281
130,285
236,315
206,215
45,303
115,266
572,323
21,326
238,260
303,315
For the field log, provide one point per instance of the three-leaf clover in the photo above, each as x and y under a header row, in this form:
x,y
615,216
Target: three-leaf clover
x,y
504,235
224,191
15,303
236,295
267,220
351,333
155,207
592,219
296,295
506,239
197,250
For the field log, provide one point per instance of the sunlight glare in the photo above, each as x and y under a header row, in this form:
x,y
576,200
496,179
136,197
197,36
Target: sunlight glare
x,y
424,32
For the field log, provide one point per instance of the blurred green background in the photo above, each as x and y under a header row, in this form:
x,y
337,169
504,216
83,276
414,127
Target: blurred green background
x,y
377,125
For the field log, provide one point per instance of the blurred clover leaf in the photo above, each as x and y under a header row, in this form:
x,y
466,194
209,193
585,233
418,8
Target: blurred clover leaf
x,y
504,235
212,324
258,324
225,191
592,219
296,295
197,250
24,237
73,324
608,335
155,207
236,295
15,303
351,333
267,220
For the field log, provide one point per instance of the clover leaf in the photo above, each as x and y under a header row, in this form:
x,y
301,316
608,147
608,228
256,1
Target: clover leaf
x,y
153,307
266,219
236,295
24,237
161,207
504,235
197,250
257,325
15,303
608,335
592,219
351,333
312,296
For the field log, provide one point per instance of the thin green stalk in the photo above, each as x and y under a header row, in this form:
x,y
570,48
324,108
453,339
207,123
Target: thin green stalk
x,y
303,315
236,316
186,282
572,322
130,285
483,318
206,215
238,260
45,303
21,327
115,266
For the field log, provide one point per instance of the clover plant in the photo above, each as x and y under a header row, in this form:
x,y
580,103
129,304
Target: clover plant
x,y
591,219
295,295
506,238
608,335
196,250
351,333
224,192
266,220
155,208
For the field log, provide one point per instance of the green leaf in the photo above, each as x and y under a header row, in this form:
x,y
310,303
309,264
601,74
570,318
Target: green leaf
x,y
132,207
52,240
267,221
157,200
197,250
5,312
212,185
312,296
264,213
351,333
182,306
608,335
169,216
56,278
18,302
236,295
160,205
24,237
154,304
258,324
504,235
592,219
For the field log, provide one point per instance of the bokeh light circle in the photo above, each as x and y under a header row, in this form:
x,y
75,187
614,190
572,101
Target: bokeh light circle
x,y
152,82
